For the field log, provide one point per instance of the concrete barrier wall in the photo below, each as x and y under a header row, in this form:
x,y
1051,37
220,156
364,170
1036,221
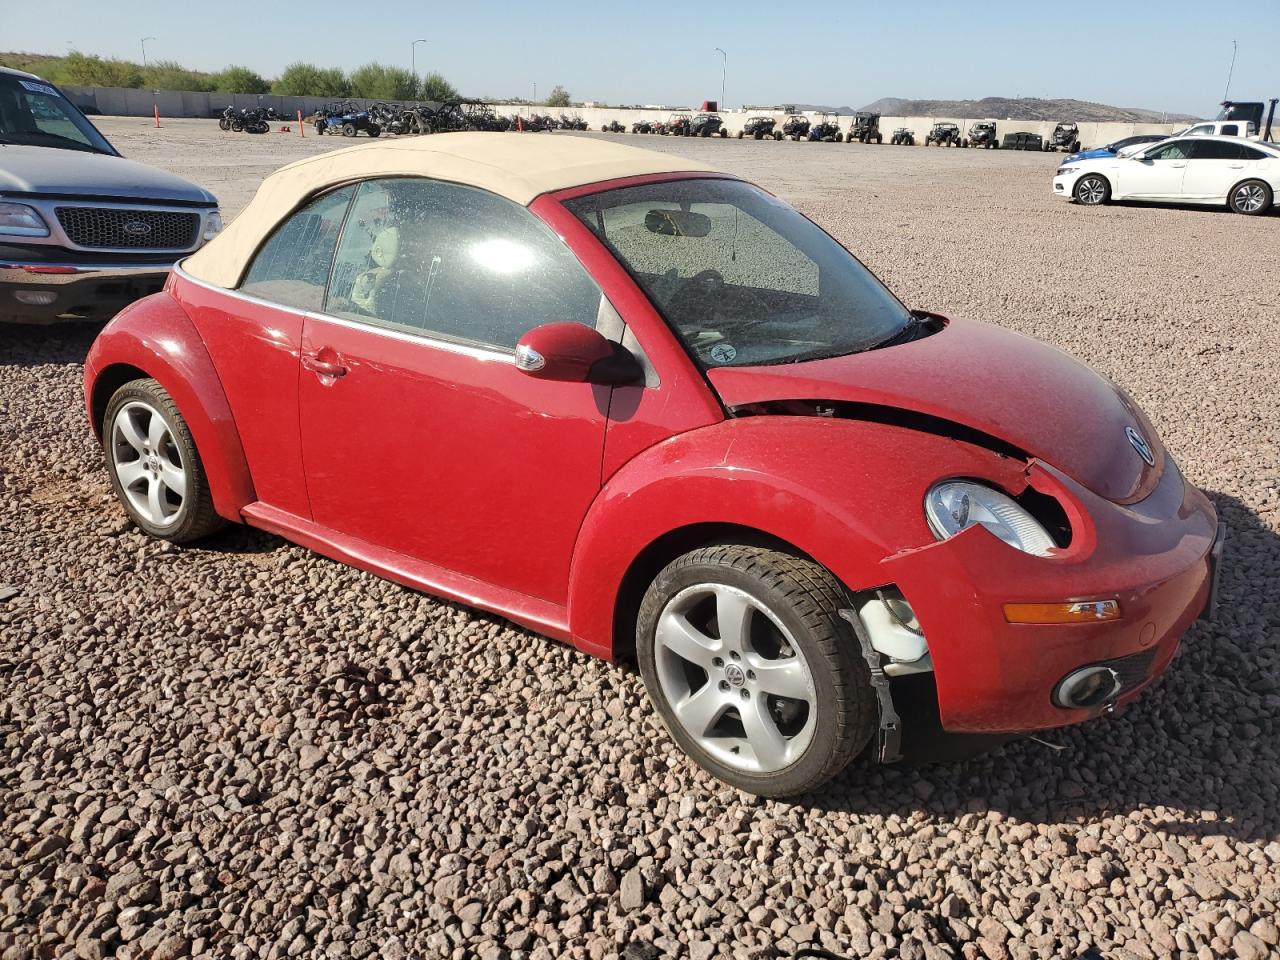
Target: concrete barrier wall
x,y
115,101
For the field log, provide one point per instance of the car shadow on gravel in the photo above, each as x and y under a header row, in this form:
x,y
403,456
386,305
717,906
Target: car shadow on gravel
x,y
27,345
1195,756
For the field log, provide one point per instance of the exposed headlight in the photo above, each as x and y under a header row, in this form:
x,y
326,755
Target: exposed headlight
x,y
212,225
956,505
1063,171
20,220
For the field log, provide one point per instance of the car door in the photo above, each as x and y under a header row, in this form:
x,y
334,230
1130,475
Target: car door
x,y
1213,166
1153,174
253,336
419,433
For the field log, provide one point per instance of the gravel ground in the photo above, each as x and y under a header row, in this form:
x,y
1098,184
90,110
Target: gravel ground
x,y
245,750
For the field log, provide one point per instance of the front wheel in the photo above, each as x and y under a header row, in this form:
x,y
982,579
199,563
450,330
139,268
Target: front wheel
x,y
752,670
1250,198
374,130
1092,190
348,129
155,469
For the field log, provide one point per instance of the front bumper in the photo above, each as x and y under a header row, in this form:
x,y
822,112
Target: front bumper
x,y
1155,557
40,291
1064,185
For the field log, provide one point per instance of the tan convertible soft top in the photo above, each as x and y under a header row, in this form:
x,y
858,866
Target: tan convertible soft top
x,y
517,166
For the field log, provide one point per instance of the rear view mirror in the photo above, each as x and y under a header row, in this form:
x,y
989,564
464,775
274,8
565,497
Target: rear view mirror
x,y
575,353
677,223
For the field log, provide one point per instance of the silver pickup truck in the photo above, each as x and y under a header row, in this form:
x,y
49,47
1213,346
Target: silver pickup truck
x,y
83,232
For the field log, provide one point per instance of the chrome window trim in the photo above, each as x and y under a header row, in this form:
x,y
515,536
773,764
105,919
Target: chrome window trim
x,y
448,346
58,237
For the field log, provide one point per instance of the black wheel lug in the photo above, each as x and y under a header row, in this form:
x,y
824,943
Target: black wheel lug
x,y
718,661
724,686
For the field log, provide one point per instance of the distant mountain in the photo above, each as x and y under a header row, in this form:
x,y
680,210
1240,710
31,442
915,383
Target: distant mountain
x,y
1022,108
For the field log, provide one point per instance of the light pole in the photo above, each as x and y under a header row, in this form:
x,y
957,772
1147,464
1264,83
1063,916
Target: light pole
x,y
724,68
144,51
535,91
413,61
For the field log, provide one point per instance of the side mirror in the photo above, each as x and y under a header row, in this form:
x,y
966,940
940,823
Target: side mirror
x,y
575,353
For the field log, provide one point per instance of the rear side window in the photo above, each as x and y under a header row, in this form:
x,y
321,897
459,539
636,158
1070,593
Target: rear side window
x,y
293,266
1216,150
454,263
1250,153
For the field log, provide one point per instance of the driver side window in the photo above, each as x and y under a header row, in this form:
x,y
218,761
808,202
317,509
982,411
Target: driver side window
x,y
1175,150
454,263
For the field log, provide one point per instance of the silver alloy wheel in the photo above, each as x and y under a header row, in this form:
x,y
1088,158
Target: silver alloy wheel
x,y
742,690
148,463
1091,190
1249,197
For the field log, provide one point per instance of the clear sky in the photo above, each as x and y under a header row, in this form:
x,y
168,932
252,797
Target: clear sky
x,y
1165,56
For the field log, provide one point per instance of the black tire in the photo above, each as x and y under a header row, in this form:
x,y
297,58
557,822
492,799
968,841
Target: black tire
x,y
237,126
1092,190
224,123
196,517
1250,197
319,128
374,130
805,599
777,137
348,129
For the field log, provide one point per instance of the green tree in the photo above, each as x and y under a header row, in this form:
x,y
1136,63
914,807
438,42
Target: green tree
x,y
169,75
435,87
308,80
377,81
236,79
83,70
559,97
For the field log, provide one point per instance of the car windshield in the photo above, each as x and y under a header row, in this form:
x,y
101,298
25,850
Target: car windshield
x,y
34,113
742,277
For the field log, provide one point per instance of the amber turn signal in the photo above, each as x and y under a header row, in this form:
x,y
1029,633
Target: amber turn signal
x,y
1079,611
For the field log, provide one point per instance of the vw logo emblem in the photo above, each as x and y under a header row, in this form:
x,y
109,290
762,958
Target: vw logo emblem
x,y
733,673
1139,443
137,228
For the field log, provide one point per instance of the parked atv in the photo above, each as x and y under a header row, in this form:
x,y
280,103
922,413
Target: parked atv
x,y
944,135
347,119
707,125
1065,136
759,128
643,126
826,130
983,134
903,137
678,125
572,123
866,128
613,126
796,126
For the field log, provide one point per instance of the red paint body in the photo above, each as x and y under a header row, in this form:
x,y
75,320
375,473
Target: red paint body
x,y
451,471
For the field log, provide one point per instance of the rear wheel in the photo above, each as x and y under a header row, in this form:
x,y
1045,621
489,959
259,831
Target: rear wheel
x,y
1250,198
1092,190
751,669
155,470
348,129
374,130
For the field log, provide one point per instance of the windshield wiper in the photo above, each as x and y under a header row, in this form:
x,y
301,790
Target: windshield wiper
x,y
908,332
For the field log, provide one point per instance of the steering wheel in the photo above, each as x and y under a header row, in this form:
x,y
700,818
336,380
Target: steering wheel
x,y
706,285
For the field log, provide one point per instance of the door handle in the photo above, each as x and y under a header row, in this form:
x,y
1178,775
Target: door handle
x,y
327,368
1237,166
1176,165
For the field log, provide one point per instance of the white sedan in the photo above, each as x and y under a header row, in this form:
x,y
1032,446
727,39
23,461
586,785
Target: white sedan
x,y
1243,174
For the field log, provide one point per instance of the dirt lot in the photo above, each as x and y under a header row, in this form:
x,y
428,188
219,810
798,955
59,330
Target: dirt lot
x,y
245,750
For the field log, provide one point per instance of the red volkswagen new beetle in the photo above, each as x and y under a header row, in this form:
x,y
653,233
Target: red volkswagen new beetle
x,y
650,409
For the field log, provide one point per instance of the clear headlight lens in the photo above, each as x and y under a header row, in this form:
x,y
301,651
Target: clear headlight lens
x,y
20,220
956,505
1063,171
212,225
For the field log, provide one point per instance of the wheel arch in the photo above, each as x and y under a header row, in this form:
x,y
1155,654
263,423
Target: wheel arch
x,y
154,338
1243,180
668,547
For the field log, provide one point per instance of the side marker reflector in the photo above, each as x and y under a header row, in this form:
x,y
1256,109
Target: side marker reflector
x,y
1079,611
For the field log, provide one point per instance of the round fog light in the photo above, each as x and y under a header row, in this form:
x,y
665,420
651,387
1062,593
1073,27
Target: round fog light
x,y
35,298
1087,687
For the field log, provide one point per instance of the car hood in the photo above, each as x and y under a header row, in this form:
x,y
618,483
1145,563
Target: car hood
x,y
27,169
1012,388
1087,155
